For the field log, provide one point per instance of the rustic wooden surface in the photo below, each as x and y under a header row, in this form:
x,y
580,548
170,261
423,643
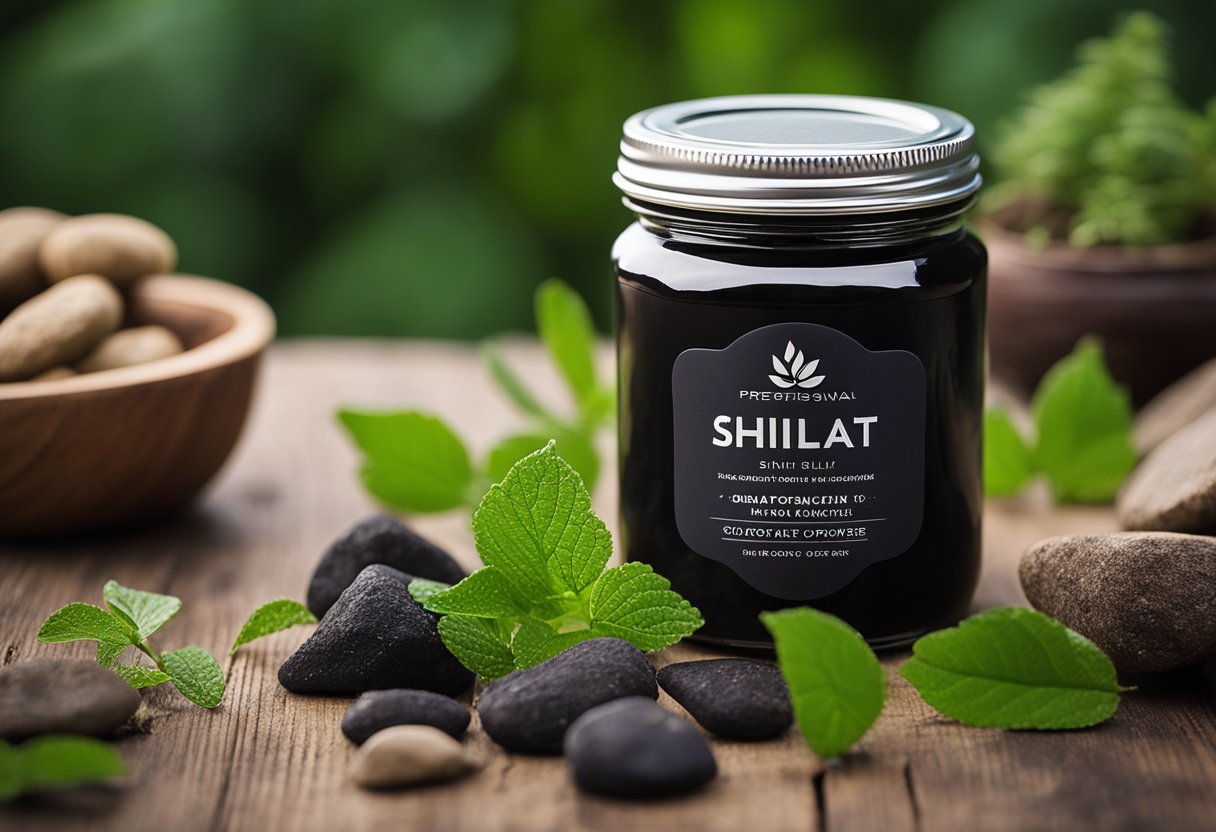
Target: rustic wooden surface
x,y
267,760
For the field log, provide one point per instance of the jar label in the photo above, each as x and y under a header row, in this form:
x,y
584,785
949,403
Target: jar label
x,y
799,456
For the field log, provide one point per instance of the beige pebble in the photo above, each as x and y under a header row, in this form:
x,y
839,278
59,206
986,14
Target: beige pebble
x,y
129,347
22,231
58,326
56,374
1174,488
116,246
407,755
1176,406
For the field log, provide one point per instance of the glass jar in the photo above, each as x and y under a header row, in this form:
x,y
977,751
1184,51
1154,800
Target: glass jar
x,y
800,331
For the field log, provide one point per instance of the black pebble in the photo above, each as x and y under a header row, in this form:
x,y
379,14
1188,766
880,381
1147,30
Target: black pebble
x,y
530,710
374,638
377,539
634,748
733,698
379,709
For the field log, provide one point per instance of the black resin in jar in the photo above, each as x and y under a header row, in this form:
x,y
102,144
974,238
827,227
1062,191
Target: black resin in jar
x,y
800,330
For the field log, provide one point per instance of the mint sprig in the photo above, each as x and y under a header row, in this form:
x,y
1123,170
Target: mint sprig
x,y
544,586
133,616
415,462
272,617
1013,667
1083,426
55,762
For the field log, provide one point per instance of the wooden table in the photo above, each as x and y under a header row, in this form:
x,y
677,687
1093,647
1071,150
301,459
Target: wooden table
x,y
267,760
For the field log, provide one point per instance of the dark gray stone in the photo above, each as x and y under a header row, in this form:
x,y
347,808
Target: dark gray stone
x,y
733,698
375,637
56,696
530,710
379,709
377,539
634,748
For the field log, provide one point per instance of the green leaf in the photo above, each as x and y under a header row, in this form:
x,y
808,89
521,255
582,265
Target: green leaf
x,y
634,603
565,326
836,684
272,617
478,645
423,588
1084,423
197,674
55,762
1014,668
576,448
413,461
85,622
511,384
145,612
138,676
535,641
537,526
484,594
1007,460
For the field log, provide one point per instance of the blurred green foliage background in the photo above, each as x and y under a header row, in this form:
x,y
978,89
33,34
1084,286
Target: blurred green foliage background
x,y
416,167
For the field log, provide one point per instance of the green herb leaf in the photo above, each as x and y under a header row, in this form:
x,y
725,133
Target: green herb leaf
x,y
484,594
1007,461
413,461
836,684
144,612
139,676
564,324
634,603
1084,423
55,762
272,617
576,448
535,641
478,645
85,622
511,384
196,674
423,588
1014,668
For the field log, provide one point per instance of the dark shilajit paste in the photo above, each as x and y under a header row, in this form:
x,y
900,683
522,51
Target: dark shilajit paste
x,y
800,337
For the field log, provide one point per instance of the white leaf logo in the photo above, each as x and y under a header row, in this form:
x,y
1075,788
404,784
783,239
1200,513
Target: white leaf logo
x,y
795,369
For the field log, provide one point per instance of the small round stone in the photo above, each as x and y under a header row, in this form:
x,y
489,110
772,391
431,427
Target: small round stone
x,y
58,326
116,246
129,347
733,698
379,709
408,755
22,231
56,374
58,696
1174,488
1147,599
633,748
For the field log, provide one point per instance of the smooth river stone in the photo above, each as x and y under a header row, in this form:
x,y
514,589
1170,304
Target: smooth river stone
x,y
1177,406
58,326
118,247
734,698
22,231
408,755
59,696
1174,488
379,709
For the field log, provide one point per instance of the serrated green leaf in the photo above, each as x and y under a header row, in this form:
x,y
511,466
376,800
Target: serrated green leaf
x,y
577,449
1084,424
423,588
537,526
1007,459
138,676
511,385
1013,667
145,612
535,641
635,603
272,617
564,325
477,644
55,762
836,684
413,461
196,674
85,622
483,594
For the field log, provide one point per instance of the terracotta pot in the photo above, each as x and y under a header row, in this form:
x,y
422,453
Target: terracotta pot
x,y
1153,308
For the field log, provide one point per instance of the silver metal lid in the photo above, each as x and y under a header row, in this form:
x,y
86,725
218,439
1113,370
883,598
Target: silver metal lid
x,y
797,155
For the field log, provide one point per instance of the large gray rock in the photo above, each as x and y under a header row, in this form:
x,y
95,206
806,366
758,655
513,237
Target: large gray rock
x,y
734,698
530,710
1148,599
1174,488
375,637
57,696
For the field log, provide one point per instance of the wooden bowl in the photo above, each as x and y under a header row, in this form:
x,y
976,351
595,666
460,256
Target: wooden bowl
x,y
124,446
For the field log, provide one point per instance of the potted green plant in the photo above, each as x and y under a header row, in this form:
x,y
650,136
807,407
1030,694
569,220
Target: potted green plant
x,y
1103,221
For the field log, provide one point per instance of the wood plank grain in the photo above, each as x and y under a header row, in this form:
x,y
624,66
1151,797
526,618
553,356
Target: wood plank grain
x,y
269,760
